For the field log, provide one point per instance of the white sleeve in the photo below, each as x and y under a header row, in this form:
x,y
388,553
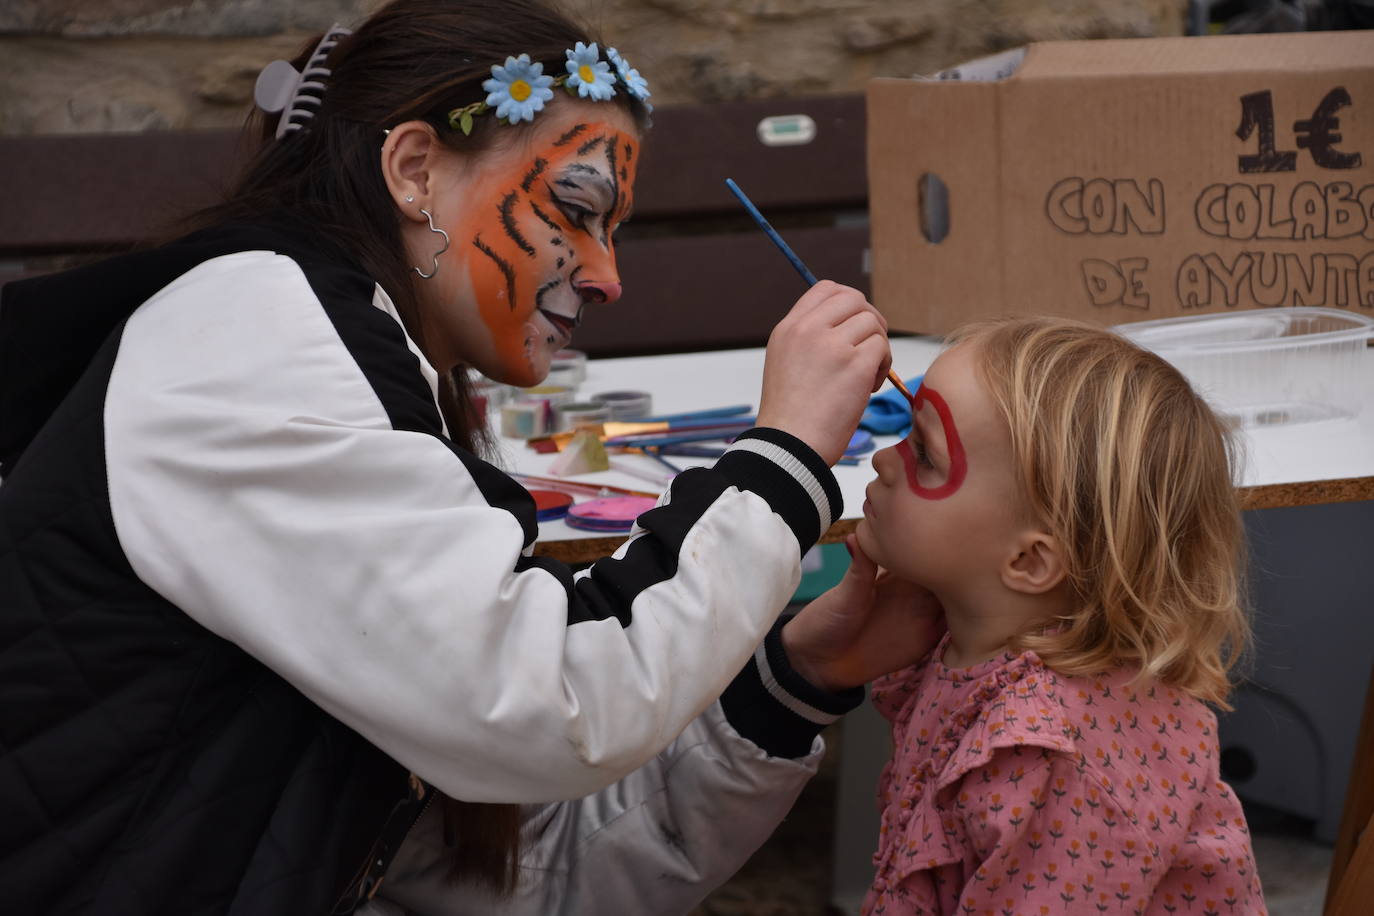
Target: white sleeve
x,y
664,837
277,470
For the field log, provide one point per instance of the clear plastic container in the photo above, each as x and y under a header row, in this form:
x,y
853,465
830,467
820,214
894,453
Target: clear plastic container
x,y
1264,367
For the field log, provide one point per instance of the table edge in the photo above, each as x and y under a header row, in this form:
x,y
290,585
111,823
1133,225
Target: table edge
x,y
1267,496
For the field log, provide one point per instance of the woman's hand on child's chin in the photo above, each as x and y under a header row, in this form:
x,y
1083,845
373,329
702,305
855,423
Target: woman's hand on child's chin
x,y
868,625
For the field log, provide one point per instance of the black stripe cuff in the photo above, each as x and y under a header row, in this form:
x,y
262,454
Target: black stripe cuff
x,y
778,709
793,479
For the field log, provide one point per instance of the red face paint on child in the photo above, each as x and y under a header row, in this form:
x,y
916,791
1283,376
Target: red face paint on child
x,y
954,475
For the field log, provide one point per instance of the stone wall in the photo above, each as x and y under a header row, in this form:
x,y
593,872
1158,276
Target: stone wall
x,y
82,66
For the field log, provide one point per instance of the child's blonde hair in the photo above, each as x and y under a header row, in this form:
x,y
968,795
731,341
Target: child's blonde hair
x,y
1131,471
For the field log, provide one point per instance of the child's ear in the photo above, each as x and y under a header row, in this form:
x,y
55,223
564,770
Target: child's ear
x,y
1037,565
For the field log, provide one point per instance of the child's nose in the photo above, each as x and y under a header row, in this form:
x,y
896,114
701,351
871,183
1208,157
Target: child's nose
x,y
885,462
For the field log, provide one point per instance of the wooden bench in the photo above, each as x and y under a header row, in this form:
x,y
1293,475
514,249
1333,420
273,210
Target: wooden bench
x,y
697,273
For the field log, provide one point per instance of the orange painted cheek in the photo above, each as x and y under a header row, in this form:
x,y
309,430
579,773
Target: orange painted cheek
x,y
490,285
500,284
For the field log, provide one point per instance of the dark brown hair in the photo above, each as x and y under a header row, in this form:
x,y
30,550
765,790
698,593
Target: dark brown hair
x,y
411,60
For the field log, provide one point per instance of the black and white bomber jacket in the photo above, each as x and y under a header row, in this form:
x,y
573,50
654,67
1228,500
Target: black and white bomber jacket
x,y
262,478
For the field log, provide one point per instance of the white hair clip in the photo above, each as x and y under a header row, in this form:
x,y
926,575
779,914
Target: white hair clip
x,y
280,87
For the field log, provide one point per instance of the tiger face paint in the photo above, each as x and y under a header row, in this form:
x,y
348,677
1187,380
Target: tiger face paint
x,y
534,237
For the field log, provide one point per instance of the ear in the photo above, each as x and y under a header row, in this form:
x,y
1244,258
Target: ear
x,y
408,161
1036,566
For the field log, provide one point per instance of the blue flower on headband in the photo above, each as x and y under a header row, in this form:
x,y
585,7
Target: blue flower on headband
x,y
518,89
588,74
635,84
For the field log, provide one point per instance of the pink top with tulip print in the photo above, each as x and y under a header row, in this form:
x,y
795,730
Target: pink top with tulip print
x,y
1016,791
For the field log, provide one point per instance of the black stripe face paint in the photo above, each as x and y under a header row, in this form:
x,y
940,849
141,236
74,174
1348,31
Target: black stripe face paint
x,y
508,224
503,265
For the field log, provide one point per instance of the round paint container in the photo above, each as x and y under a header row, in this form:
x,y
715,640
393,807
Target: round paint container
x,y
549,397
612,515
581,413
550,504
565,375
495,393
524,420
626,405
553,395
573,362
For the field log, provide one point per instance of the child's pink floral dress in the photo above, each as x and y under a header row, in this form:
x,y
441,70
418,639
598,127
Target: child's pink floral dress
x,y
1014,791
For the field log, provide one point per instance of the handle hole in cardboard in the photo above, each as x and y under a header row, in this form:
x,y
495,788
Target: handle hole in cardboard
x,y
932,200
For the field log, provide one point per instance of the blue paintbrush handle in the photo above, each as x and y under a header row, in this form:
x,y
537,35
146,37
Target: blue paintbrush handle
x,y
701,422
703,435
734,411
807,275
772,233
657,455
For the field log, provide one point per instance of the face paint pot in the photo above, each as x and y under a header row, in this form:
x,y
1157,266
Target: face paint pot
x,y
564,375
495,392
573,362
580,413
550,504
551,397
626,405
524,420
612,515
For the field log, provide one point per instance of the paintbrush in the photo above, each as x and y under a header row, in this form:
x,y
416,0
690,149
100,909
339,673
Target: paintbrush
x,y
672,437
651,453
806,275
734,411
626,432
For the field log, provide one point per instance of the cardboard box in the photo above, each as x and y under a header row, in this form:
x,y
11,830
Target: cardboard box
x,y
1123,180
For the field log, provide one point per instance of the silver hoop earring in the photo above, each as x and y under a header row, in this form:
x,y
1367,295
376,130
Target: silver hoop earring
x,y
432,228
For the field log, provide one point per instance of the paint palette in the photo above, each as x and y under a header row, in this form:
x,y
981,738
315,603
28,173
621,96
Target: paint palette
x,y
861,443
550,504
611,515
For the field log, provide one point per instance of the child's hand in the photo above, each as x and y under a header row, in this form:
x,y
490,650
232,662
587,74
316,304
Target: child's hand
x,y
868,625
825,357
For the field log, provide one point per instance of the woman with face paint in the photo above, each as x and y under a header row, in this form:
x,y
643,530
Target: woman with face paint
x,y
272,629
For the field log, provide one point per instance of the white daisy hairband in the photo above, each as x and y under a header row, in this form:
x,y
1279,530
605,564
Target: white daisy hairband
x,y
519,88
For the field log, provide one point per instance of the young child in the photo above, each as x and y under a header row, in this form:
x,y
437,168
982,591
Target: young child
x,y
1068,498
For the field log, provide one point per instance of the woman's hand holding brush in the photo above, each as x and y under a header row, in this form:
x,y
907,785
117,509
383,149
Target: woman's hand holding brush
x,y
825,357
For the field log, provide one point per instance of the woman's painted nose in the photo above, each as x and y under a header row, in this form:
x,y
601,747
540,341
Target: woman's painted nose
x,y
604,292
